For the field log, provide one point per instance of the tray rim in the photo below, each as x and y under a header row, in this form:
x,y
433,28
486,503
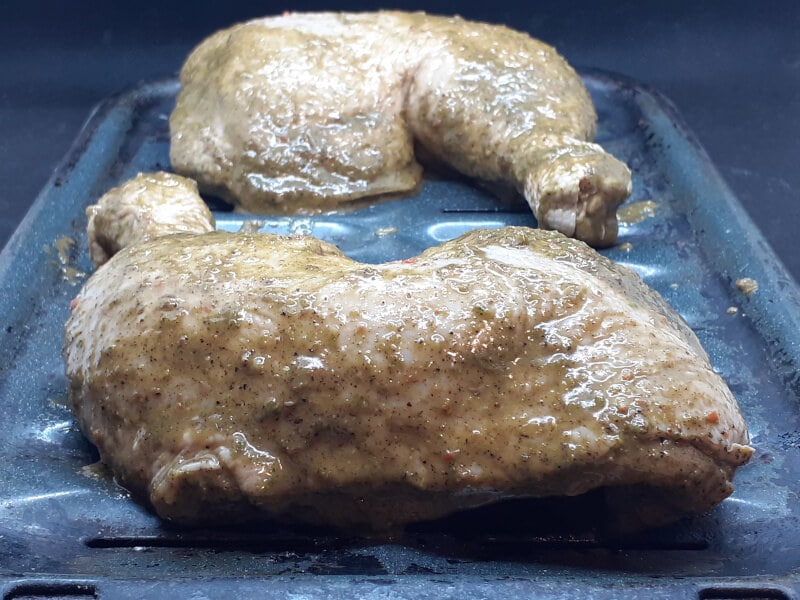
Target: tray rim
x,y
327,586
780,320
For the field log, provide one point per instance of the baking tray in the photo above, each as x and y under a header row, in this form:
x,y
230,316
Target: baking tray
x,y
66,529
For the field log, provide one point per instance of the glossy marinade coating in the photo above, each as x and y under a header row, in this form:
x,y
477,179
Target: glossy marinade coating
x,y
234,376
149,206
310,111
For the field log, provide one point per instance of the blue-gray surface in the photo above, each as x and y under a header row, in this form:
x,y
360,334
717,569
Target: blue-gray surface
x,y
67,530
731,66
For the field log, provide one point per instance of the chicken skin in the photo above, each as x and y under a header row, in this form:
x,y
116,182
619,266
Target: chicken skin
x,y
307,112
149,206
232,376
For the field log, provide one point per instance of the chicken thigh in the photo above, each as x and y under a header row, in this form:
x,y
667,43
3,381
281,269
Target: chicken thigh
x,y
309,111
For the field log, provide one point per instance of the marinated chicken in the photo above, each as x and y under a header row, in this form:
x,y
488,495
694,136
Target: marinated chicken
x,y
306,112
146,207
227,377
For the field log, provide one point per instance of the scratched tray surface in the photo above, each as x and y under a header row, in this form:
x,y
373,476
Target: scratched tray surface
x,y
68,529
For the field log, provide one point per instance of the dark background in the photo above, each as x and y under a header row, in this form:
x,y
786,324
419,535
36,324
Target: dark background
x,y
732,68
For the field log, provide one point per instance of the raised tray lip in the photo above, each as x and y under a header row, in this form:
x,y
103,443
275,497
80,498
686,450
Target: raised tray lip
x,y
782,319
87,133
332,586
777,305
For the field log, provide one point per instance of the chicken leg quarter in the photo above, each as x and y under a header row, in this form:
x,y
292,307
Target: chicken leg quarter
x,y
309,111
233,376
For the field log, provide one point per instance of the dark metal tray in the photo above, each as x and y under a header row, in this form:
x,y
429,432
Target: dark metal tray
x,y
67,530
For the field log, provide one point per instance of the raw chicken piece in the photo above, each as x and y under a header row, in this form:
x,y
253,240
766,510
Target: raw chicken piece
x,y
146,207
309,111
232,376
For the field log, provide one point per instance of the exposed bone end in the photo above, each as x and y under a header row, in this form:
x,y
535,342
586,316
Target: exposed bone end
x,y
578,192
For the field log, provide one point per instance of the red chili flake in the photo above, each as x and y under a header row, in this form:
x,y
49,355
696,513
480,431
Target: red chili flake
x,y
712,417
73,304
448,457
409,261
